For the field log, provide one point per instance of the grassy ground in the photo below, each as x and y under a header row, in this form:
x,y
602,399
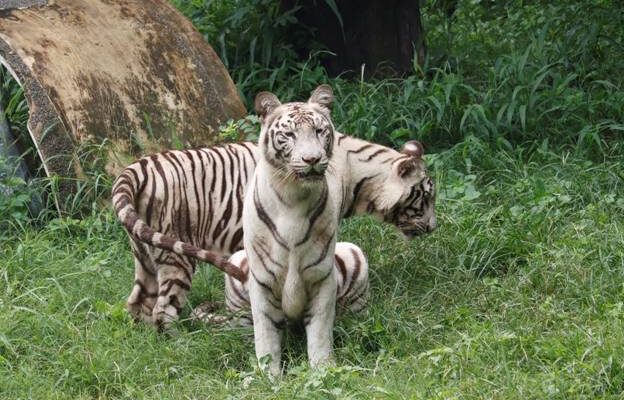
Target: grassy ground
x,y
518,294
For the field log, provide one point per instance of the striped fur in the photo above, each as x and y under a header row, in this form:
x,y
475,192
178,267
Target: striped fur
x,y
290,220
180,206
350,269
173,205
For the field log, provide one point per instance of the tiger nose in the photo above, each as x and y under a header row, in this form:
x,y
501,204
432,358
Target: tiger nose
x,y
311,160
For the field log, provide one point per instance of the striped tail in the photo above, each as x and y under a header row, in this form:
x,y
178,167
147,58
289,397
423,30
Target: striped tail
x,y
123,203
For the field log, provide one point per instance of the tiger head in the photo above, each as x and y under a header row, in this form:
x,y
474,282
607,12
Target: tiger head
x,y
400,192
297,139
414,210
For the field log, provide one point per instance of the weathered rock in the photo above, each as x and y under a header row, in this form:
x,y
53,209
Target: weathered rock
x,y
133,74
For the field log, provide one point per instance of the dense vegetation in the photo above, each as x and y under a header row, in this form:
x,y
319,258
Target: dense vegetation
x,y
518,294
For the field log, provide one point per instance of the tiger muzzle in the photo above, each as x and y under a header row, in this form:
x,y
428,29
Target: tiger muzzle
x,y
312,171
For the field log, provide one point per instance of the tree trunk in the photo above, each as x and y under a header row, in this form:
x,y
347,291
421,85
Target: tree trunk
x,y
385,36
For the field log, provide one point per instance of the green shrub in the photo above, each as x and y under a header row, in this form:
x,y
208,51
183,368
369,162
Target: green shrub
x,y
511,73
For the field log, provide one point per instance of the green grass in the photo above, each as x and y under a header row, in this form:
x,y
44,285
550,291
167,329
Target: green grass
x,y
518,294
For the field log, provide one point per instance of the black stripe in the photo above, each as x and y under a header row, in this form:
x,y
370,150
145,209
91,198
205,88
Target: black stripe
x,y
136,183
356,269
361,149
267,254
277,324
355,297
307,318
323,253
225,219
139,253
237,292
341,267
237,241
202,202
375,154
169,285
317,213
208,195
361,292
401,157
223,177
264,217
264,285
324,277
343,198
198,202
356,192
264,265
143,182
278,195
152,196
182,192
246,146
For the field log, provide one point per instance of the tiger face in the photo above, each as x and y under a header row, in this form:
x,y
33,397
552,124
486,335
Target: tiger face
x,y
297,139
415,214
414,211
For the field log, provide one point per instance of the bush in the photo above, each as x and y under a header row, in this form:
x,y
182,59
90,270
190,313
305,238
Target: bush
x,y
509,73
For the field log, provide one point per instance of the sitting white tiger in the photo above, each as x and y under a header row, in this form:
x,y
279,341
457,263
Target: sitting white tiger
x,y
290,224
350,269
182,206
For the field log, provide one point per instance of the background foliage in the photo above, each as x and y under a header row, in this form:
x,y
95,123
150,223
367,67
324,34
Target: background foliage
x,y
518,294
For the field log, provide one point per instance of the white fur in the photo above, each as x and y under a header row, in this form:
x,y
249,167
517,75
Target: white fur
x,y
351,290
291,263
291,285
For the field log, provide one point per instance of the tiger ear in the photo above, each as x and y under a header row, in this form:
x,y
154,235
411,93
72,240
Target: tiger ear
x,y
413,148
323,95
265,102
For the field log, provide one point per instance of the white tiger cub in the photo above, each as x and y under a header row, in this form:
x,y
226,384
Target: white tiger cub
x,y
290,223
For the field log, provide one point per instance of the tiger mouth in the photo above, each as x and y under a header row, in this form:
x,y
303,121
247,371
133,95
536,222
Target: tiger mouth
x,y
311,175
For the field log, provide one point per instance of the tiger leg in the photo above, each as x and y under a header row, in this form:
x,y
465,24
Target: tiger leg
x,y
237,292
174,276
351,276
143,296
268,322
319,318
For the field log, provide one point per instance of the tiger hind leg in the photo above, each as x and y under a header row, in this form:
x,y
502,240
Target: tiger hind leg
x,y
174,282
237,292
145,290
351,267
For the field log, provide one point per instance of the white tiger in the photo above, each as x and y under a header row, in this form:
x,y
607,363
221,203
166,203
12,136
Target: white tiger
x,y
290,224
182,206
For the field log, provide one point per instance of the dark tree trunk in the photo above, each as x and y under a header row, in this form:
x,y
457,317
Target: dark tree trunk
x,y
385,36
